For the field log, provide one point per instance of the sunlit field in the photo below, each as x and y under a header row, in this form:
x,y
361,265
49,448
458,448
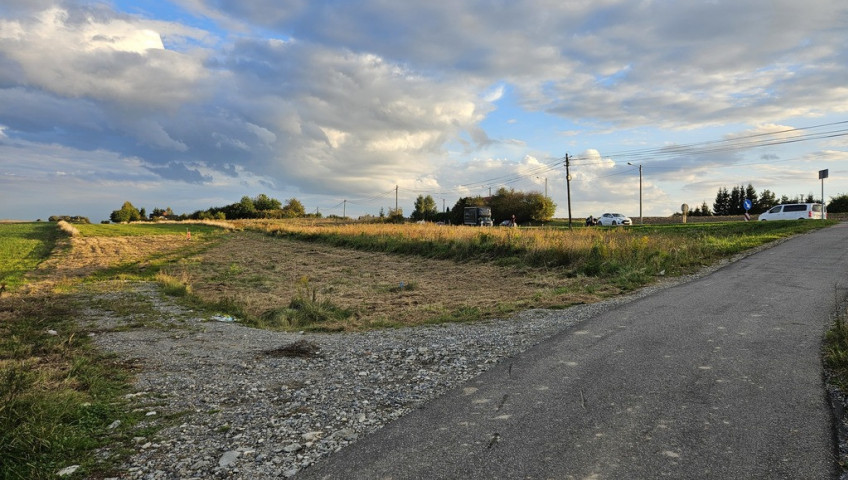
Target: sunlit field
x,y
632,253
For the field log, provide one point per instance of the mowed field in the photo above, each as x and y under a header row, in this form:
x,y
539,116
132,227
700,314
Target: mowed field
x,y
262,272
378,275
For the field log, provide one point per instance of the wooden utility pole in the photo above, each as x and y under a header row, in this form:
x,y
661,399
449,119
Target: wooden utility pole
x,y
568,189
396,195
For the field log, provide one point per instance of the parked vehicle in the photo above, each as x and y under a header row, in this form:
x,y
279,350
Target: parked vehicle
x,y
793,211
608,219
479,216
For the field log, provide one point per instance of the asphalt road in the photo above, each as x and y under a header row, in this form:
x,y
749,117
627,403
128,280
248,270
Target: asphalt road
x,y
720,377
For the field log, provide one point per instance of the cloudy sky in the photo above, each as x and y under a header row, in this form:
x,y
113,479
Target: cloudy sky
x,y
190,104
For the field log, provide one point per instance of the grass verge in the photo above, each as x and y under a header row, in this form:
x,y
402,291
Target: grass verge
x,y
58,396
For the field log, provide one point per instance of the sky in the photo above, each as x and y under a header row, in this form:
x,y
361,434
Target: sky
x,y
350,106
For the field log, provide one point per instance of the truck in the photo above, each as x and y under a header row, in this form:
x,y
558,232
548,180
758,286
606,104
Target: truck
x,y
478,216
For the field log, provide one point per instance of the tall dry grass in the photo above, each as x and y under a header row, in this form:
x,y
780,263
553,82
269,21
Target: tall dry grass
x,y
67,228
620,252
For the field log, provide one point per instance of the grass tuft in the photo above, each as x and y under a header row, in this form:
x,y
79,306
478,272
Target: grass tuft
x,y
836,352
175,286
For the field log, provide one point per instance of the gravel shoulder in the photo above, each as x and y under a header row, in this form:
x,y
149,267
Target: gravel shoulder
x,y
233,404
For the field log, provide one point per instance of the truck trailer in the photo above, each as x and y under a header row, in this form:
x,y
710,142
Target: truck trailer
x,y
478,216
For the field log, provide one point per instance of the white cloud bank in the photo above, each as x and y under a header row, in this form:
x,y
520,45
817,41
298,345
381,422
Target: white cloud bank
x,y
338,100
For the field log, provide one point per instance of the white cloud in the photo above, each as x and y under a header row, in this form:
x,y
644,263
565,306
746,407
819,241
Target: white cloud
x,y
87,53
347,99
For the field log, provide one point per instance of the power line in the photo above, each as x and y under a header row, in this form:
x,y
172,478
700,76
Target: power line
x,y
645,156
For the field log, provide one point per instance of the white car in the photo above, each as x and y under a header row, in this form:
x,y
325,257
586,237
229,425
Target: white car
x,y
793,211
614,219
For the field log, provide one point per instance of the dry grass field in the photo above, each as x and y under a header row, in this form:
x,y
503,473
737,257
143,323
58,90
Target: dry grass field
x,y
262,272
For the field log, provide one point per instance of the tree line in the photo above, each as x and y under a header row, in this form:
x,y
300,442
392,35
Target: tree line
x,y
261,206
731,202
525,206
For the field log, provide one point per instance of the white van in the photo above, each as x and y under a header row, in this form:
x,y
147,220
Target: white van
x,y
793,211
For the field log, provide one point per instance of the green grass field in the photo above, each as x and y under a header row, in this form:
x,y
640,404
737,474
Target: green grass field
x,y
22,247
143,229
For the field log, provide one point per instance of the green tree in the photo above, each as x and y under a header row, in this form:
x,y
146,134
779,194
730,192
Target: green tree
x,y
766,200
721,206
737,195
425,208
838,204
396,215
243,209
542,208
294,209
750,194
127,213
263,202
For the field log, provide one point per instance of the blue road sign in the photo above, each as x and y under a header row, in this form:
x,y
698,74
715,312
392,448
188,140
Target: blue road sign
x,y
747,204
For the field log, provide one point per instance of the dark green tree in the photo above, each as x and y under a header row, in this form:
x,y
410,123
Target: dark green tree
x,y
264,202
243,209
838,204
425,208
737,196
751,194
721,206
766,200
127,213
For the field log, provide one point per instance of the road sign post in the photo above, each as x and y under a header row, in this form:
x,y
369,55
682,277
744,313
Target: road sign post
x,y
822,176
747,204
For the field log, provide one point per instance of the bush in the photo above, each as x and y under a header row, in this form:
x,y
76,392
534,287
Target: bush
x,y
838,204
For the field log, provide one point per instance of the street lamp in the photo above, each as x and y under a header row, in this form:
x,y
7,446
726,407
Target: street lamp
x,y
546,186
640,192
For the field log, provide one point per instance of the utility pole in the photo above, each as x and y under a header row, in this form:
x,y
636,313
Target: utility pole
x,y
568,189
344,208
641,222
546,186
396,195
